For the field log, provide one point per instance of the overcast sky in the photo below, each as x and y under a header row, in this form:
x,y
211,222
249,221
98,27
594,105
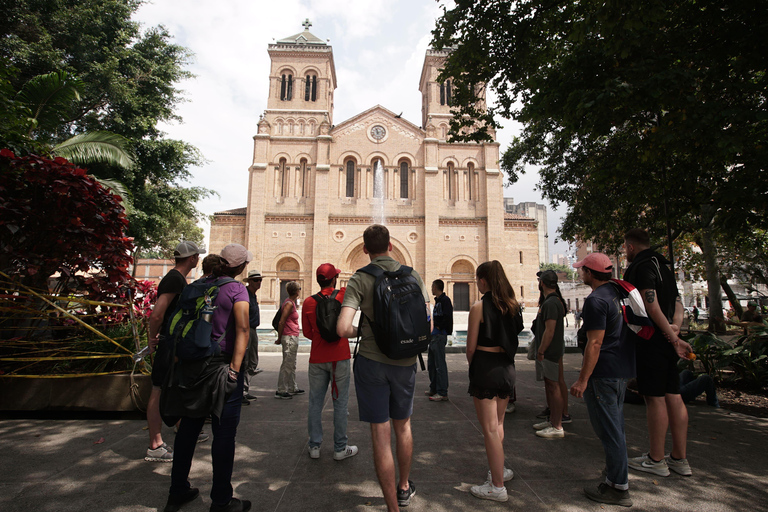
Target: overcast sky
x,y
378,49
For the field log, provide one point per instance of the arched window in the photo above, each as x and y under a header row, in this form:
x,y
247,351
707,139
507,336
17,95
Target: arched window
x,y
286,87
378,178
451,191
350,178
404,180
445,93
283,177
304,183
470,180
310,88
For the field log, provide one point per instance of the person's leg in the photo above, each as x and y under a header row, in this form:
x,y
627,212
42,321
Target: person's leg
x,y
404,446
384,463
318,385
340,405
250,360
183,452
604,399
555,401
658,423
487,415
223,446
678,424
293,352
441,368
283,376
563,387
431,366
154,420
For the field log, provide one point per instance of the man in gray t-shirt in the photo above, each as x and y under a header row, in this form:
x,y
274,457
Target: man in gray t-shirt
x,y
384,386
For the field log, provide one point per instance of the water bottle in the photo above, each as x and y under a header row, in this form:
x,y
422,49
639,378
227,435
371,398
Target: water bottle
x,y
207,312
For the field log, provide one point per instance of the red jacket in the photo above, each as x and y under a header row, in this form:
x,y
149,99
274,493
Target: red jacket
x,y
322,351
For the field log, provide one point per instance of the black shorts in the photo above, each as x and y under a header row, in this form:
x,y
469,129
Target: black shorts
x,y
161,362
657,373
491,375
383,390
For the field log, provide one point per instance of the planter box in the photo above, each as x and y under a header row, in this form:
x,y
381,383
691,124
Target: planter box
x,y
100,393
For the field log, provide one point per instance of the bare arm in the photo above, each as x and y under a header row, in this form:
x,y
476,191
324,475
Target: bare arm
x,y
242,333
283,318
473,328
660,320
344,327
546,338
591,355
677,318
156,318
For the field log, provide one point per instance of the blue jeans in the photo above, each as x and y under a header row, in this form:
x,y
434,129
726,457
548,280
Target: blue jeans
x,y
320,375
222,449
438,370
692,386
605,404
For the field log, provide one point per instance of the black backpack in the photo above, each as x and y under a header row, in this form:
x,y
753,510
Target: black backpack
x,y
327,315
401,324
190,325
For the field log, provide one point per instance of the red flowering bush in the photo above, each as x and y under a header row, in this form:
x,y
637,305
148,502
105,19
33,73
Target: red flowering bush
x,y
56,218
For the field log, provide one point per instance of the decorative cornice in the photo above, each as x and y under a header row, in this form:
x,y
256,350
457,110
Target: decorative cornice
x,y
478,221
527,225
402,221
289,219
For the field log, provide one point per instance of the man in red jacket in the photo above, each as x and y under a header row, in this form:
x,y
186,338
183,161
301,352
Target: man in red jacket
x,y
329,362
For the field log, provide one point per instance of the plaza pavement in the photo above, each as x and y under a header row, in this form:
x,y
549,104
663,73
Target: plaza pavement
x,y
66,464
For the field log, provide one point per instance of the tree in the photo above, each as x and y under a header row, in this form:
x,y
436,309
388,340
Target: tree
x,y
56,218
648,114
570,274
128,78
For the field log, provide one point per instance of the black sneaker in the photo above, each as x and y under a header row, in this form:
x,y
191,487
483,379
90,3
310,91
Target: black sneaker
x,y
283,396
604,493
544,415
297,392
249,396
246,401
404,497
175,501
234,505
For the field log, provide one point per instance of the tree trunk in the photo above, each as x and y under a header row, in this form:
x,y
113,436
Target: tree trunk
x,y
731,296
716,320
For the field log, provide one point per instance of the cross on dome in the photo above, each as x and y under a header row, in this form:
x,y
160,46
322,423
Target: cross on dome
x,y
306,24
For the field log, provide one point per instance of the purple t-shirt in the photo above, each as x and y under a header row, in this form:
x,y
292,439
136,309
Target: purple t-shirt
x,y
223,319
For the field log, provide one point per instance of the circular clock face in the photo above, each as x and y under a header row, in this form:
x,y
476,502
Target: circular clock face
x,y
378,132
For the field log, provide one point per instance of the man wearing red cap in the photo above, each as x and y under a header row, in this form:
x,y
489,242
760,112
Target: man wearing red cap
x,y
328,363
609,362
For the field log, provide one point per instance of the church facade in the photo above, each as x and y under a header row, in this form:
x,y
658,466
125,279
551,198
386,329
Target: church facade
x,y
314,186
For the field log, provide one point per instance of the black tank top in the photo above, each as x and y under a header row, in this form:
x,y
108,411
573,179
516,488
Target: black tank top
x,y
497,330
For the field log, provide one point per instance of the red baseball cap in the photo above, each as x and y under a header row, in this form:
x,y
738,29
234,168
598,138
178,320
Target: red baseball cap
x,y
327,271
596,261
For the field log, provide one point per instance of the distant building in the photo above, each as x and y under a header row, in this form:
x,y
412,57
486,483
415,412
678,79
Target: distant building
x,y
532,211
560,259
155,269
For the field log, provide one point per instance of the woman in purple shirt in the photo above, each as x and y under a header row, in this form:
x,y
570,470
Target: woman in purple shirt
x,y
230,317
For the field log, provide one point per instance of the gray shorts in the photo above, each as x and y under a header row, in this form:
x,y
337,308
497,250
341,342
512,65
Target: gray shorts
x,y
547,369
383,391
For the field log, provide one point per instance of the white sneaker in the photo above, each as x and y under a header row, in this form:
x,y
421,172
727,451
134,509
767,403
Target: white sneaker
x,y
551,433
647,464
314,452
488,492
510,407
681,466
349,451
542,425
508,475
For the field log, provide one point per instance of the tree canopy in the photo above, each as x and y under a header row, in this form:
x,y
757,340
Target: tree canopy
x,y
646,114
129,78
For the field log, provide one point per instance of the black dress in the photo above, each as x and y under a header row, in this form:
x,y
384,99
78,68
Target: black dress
x,y
492,374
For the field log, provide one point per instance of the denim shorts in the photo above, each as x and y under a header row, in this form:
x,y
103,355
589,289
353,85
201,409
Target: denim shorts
x,y
383,391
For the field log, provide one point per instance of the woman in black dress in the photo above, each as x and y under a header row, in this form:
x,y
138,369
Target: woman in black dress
x,y
494,323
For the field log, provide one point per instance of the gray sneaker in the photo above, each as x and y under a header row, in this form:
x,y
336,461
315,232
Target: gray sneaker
x,y
647,464
679,466
604,493
162,453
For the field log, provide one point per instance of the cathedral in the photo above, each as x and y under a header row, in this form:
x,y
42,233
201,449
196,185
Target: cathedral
x,y
315,184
